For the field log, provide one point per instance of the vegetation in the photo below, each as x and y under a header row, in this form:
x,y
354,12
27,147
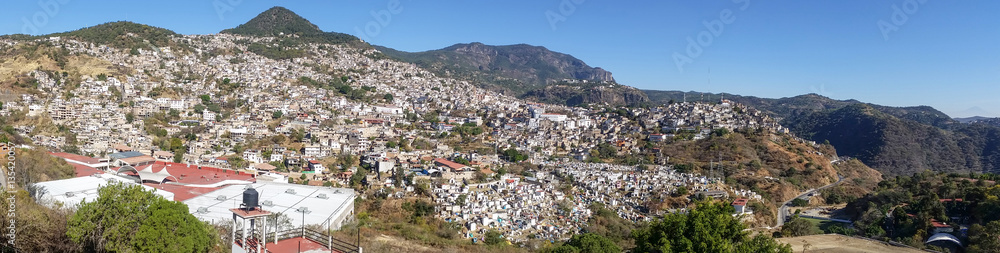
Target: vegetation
x,y
278,21
709,227
513,68
129,219
915,203
117,35
588,242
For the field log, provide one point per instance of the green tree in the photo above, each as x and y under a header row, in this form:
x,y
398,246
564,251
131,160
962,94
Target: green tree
x,y
199,108
493,237
168,227
797,227
709,227
179,155
589,242
800,202
276,114
126,218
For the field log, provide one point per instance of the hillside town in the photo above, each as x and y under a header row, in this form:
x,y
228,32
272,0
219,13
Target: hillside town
x,y
298,120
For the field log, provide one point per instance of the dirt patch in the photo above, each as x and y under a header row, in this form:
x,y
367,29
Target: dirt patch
x,y
840,244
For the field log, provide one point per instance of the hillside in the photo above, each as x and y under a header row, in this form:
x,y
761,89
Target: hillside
x,y
894,140
900,146
512,68
756,160
575,94
121,34
279,21
790,106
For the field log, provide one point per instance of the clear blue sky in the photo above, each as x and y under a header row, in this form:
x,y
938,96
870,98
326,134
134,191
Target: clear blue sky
x,y
944,54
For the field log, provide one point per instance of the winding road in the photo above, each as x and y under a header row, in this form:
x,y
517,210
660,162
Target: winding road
x,y
783,211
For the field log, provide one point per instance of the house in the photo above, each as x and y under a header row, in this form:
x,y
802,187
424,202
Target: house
x,y
163,155
941,227
316,166
263,168
656,137
208,115
313,151
132,158
553,117
123,148
741,206
453,166
253,156
389,109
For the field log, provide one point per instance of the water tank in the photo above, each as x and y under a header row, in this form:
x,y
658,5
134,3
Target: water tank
x,y
250,199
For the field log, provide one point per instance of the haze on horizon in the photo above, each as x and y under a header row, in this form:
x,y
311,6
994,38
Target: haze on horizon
x,y
890,52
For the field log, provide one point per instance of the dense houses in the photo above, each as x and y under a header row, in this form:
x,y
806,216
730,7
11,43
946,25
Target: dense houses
x,y
238,110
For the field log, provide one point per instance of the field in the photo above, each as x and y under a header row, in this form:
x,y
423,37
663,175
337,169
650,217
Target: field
x,y
836,243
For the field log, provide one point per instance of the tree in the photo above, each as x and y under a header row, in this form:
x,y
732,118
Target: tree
x,y
493,237
276,114
709,227
984,238
800,202
199,108
179,155
168,227
797,227
589,242
388,97
129,117
126,218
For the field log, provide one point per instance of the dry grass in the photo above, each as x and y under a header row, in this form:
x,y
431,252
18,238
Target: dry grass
x,y
840,244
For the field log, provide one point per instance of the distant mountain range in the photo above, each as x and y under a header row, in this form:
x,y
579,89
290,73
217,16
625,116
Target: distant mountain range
x,y
893,140
514,69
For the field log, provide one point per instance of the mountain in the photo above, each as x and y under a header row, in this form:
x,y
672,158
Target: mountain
x,y
893,140
579,93
279,21
781,108
121,34
512,68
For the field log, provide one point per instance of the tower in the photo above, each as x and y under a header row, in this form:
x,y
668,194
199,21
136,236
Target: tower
x,y
249,224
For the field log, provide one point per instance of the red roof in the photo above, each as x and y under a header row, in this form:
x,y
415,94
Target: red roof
x,y
450,164
950,200
938,224
740,202
78,158
313,161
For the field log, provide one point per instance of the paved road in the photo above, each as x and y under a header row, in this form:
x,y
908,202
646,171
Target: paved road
x,y
783,211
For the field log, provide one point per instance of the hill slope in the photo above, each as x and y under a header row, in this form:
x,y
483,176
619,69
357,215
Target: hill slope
x,y
278,21
122,35
514,68
894,140
574,94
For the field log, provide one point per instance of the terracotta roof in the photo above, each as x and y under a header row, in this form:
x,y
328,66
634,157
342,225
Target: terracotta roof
x,y
740,202
450,164
78,158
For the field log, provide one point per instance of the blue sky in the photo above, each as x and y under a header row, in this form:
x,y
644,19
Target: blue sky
x,y
942,54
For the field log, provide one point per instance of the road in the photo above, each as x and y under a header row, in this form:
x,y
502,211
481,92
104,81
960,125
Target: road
x,y
783,211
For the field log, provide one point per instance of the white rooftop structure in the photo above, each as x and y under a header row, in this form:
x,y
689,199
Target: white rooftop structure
x,y
73,191
326,206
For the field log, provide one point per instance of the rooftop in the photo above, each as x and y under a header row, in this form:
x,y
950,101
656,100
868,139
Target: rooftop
x,y
322,203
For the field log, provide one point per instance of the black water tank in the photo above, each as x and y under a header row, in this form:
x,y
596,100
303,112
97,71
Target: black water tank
x,y
250,199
